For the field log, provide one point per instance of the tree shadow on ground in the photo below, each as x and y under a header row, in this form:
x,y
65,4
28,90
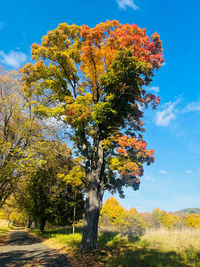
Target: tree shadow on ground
x,y
144,258
22,249
41,258
105,237
116,251
22,238
66,230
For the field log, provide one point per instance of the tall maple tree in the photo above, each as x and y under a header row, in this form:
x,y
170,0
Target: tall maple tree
x,y
95,77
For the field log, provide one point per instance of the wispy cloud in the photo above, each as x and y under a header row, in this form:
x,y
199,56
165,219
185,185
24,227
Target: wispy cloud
x,y
193,106
123,4
148,178
154,89
169,112
189,171
163,172
12,59
164,117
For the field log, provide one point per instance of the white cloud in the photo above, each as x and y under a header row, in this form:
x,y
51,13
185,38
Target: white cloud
x,y
194,106
123,4
154,89
53,122
189,171
162,172
148,178
163,118
13,59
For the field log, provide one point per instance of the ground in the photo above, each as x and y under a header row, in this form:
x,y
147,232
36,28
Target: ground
x,y
23,249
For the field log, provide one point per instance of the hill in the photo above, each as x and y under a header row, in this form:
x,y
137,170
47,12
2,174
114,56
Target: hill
x,y
189,211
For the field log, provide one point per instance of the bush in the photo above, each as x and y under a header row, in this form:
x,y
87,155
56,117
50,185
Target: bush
x,y
165,219
130,224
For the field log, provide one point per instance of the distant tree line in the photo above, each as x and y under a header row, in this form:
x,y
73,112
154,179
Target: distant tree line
x,y
132,223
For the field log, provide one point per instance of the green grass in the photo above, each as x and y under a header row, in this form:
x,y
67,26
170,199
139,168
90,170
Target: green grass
x,y
63,236
157,248
3,232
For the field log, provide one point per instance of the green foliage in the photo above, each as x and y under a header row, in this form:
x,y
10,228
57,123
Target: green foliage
x,y
45,194
20,135
131,224
94,76
12,227
3,232
189,211
127,222
165,219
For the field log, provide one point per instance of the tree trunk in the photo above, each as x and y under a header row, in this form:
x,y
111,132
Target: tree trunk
x,y
34,224
42,225
28,224
95,190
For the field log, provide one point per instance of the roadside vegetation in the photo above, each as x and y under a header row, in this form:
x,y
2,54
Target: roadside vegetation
x,y
3,230
157,247
130,238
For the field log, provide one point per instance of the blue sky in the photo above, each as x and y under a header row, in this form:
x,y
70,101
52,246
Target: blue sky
x,y
173,130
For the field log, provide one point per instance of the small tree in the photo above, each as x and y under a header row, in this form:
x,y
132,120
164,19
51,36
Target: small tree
x,y
111,209
131,223
94,77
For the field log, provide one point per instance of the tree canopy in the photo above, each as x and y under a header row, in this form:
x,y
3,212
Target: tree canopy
x,y
20,134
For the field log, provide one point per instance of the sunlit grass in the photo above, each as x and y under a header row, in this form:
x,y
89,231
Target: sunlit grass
x,y
61,237
157,248
184,242
176,240
3,231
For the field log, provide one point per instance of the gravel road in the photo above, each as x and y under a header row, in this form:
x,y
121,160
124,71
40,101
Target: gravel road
x,y
22,249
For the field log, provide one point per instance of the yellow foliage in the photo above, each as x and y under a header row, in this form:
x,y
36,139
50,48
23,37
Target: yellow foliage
x,y
192,220
165,219
112,209
75,177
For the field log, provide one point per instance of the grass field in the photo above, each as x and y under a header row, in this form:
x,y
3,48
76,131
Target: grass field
x,y
157,248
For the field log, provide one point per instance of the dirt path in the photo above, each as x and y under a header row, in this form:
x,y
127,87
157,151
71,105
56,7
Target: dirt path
x,y
22,249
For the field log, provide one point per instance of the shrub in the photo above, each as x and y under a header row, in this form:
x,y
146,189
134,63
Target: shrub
x,y
165,219
131,224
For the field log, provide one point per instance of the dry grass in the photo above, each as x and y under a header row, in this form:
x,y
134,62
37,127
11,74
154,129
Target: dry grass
x,y
173,240
157,248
